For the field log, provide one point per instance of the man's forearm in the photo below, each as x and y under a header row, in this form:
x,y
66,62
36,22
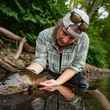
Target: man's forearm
x,y
65,76
66,92
36,68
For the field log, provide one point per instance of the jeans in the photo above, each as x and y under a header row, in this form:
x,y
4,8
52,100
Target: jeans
x,y
79,82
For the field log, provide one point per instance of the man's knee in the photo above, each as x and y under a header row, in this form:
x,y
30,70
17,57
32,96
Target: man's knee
x,y
84,85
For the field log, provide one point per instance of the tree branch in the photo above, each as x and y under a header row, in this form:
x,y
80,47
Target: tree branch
x,y
15,37
7,66
19,51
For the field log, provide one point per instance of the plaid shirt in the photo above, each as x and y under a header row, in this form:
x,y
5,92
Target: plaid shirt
x,y
73,56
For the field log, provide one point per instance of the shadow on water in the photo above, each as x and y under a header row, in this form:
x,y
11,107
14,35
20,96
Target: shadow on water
x,y
104,86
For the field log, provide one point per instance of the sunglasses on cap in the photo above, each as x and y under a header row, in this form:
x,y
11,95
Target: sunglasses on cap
x,y
75,18
72,31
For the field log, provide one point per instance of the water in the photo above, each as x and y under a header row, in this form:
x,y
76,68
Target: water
x,y
104,86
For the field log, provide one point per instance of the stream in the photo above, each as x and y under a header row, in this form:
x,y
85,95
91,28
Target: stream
x,y
104,86
90,102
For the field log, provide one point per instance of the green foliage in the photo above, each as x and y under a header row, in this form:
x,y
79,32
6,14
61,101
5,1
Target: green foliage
x,y
31,38
97,51
30,16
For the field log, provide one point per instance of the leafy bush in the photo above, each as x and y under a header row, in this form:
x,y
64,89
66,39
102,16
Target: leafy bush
x,y
97,51
30,16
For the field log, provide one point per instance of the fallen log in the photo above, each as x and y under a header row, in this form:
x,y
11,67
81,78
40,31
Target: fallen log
x,y
15,38
93,73
7,66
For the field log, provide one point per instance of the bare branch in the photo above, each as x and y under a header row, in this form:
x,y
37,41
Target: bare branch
x,y
19,51
7,66
15,37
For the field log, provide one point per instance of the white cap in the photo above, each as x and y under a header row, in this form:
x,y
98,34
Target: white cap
x,y
67,21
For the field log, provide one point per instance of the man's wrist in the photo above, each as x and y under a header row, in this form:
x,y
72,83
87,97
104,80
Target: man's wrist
x,y
35,68
65,76
59,82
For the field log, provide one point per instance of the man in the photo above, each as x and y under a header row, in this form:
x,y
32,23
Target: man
x,y
62,50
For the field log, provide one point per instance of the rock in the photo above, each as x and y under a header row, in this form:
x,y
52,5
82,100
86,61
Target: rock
x,y
20,63
94,73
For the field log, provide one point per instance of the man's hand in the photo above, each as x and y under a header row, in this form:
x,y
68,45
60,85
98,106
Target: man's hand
x,y
49,85
35,68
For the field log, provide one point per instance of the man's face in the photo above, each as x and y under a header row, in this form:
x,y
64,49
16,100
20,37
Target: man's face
x,y
63,39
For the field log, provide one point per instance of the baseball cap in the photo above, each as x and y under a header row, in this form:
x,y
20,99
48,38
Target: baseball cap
x,y
67,20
